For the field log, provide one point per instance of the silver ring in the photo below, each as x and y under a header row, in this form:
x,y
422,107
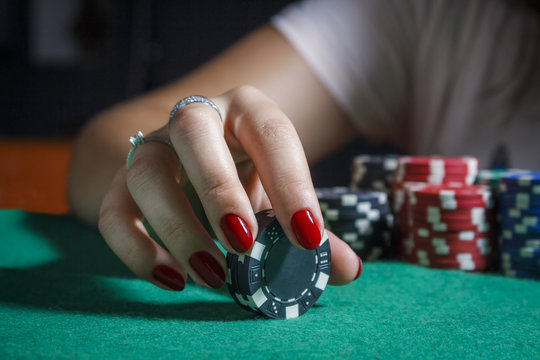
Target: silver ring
x,y
139,139
193,99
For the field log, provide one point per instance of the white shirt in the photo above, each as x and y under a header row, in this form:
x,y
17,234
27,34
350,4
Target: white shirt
x,y
456,77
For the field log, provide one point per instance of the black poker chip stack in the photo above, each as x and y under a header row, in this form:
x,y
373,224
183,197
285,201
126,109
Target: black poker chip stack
x,y
362,218
519,206
373,172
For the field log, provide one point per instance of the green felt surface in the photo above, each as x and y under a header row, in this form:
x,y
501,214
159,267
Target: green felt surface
x,y
63,294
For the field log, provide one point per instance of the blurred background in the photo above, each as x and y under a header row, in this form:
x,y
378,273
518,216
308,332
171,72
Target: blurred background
x,y
64,60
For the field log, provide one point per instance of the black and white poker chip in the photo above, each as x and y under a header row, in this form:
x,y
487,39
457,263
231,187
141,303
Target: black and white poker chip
x,y
362,218
274,278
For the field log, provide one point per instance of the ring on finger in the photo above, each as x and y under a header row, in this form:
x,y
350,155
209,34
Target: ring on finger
x,y
194,99
139,139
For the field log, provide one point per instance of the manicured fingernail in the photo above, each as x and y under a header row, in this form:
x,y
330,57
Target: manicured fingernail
x,y
359,268
208,269
169,277
305,229
237,232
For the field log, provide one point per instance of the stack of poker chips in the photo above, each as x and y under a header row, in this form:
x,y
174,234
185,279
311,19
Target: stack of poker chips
x,y
491,178
373,172
430,170
362,218
519,209
450,226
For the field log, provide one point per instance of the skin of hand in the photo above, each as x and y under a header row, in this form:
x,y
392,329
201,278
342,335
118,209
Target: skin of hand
x,y
258,158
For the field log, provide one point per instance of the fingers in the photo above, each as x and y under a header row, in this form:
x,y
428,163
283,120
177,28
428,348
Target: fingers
x,y
196,132
152,180
256,125
150,189
346,265
121,226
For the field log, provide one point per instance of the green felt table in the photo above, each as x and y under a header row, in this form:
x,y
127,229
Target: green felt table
x,y
63,294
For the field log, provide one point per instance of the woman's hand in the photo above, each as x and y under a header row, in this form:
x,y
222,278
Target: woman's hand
x,y
251,161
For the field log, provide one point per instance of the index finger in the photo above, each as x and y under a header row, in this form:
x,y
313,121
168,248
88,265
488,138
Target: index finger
x,y
269,138
197,135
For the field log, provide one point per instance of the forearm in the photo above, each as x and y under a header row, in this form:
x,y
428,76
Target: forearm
x,y
264,60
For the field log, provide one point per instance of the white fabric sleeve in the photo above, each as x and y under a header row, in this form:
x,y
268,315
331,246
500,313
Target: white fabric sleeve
x,y
360,50
453,77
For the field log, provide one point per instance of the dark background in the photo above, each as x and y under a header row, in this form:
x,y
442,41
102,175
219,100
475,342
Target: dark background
x,y
62,61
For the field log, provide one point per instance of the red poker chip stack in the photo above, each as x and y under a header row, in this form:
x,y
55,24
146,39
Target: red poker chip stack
x,y
399,200
451,226
413,172
436,170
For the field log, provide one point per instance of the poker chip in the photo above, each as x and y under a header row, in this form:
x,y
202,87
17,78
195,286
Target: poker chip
x,y
519,200
443,226
362,218
526,180
435,213
451,204
444,247
274,278
345,198
453,192
373,172
438,179
436,170
460,261
519,214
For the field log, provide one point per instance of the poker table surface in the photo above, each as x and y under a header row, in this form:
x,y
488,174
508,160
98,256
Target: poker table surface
x,y
63,294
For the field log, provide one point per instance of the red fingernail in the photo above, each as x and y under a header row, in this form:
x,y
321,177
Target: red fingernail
x,y
359,268
305,229
169,277
237,232
208,269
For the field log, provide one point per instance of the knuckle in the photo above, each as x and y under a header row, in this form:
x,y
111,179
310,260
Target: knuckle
x,y
216,187
247,94
107,220
188,119
140,173
275,128
187,115
243,92
172,235
293,185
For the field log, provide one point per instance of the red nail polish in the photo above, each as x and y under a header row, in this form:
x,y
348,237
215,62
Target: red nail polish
x,y
359,268
237,232
208,269
305,229
169,277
